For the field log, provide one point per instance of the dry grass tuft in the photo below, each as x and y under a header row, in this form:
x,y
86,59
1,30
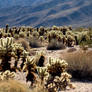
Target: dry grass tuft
x,y
12,86
80,64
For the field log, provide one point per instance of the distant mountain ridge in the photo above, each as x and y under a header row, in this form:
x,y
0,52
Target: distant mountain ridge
x,y
10,3
46,12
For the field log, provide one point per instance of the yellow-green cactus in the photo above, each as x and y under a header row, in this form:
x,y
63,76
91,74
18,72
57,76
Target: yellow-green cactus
x,y
56,66
7,75
42,72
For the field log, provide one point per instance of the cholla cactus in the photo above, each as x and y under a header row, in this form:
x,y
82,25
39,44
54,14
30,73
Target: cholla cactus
x,y
54,35
29,64
39,59
6,52
41,31
69,33
7,75
18,51
55,28
1,76
7,28
58,78
41,38
61,83
30,69
56,67
35,34
10,49
24,56
22,34
42,72
70,41
1,33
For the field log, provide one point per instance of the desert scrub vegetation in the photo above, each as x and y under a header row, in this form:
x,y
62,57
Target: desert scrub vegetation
x,y
80,64
45,75
44,36
33,66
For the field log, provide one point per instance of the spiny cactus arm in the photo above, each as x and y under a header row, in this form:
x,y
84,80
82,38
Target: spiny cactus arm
x,y
42,71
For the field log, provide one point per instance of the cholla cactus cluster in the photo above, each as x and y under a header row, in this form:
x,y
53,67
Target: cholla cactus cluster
x,y
54,75
36,36
56,66
10,49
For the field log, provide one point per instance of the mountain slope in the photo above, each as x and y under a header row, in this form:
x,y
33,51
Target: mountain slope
x,y
47,13
10,3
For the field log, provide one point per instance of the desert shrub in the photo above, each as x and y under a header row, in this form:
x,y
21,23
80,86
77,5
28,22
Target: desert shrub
x,y
12,86
34,43
24,43
55,45
79,29
80,64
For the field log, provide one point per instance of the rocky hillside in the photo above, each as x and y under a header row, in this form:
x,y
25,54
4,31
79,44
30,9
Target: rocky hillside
x,y
46,12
